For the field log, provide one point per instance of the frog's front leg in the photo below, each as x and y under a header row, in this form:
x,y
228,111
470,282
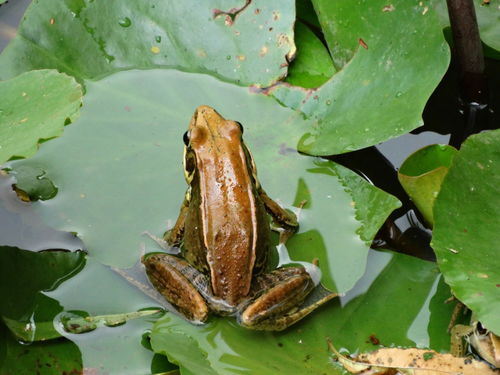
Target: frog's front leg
x,y
284,218
458,335
278,300
175,235
179,283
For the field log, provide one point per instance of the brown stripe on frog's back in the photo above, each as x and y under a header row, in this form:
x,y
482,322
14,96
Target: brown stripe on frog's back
x,y
228,204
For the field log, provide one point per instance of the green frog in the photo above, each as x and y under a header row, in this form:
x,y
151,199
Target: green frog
x,y
223,231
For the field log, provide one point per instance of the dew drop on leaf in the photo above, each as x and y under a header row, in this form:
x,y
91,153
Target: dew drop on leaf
x,y
125,22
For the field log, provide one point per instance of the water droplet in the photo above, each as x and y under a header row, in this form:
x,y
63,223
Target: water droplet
x,y
158,39
125,22
399,94
228,57
328,102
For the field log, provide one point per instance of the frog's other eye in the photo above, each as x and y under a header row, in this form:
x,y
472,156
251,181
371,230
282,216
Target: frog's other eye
x,y
185,138
240,126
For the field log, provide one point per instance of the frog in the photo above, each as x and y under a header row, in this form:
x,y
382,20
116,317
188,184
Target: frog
x,y
485,343
223,232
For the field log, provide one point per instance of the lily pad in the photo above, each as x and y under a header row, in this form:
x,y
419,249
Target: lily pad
x,y
132,180
34,107
221,347
422,173
54,358
466,221
244,42
390,57
24,275
313,65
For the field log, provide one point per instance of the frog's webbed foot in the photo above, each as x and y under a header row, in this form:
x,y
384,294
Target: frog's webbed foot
x,y
283,297
179,284
165,245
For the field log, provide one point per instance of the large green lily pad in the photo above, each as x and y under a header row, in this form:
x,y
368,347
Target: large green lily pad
x,y
221,347
87,39
34,107
121,173
466,222
391,56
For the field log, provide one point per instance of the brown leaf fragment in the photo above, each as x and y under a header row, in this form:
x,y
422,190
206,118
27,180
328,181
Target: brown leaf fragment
x,y
412,361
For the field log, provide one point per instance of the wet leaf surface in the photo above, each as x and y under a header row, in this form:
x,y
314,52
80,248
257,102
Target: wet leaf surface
x,y
390,58
466,219
34,107
90,39
119,190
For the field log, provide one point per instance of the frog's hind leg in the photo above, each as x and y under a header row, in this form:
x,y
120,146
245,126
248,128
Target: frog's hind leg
x,y
179,283
282,298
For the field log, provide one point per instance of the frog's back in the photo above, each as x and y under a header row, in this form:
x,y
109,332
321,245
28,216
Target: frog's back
x,y
235,225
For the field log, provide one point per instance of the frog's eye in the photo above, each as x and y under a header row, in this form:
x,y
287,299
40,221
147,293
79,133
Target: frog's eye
x,y
185,138
241,126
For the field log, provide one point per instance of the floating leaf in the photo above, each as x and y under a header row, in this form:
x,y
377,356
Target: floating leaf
x,y
466,221
247,42
23,276
390,58
48,358
135,183
34,107
422,173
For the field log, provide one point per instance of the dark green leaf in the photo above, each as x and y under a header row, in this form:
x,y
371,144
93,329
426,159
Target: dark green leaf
x,y
23,276
313,65
391,56
55,357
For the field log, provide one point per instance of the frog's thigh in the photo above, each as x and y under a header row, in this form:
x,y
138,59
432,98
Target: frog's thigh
x,y
284,290
172,276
